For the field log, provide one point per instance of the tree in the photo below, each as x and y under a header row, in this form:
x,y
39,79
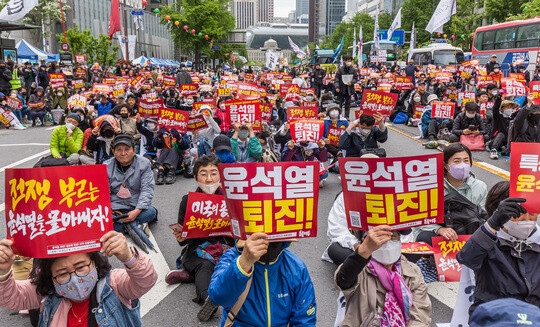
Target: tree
x,y
528,10
95,48
79,41
501,10
205,17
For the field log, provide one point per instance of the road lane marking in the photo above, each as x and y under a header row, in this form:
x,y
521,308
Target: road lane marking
x,y
2,206
50,128
23,144
15,164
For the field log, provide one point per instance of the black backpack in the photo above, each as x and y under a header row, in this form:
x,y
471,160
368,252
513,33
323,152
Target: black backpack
x,y
462,215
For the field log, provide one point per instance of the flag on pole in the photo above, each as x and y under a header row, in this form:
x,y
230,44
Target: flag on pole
x,y
114,21
244,60
413,41
299,53
138,22
376,31
395,25
360,47
354,44
441,15
338,49
17,9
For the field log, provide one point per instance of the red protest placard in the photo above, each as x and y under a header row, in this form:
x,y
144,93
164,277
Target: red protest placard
x,y
101,88
485,80
513,88
150,108
278,198
535,91
384,86
14,103
418,110
484,107
206,216
401,192
196,123
77,100
118,90
109,80
77,83
403,82
224,92
139,80
57,211
172,118
306,130
334,133
525,174
448,268
443,110
464,97
247,91
283,88
57,80
310,104
247,111
445,77
451,94
466,71
517,77
377,102
80,72
189,89
5,116
149,96
294,113
36,104
266,112
80,59
293,93
417,248
169,81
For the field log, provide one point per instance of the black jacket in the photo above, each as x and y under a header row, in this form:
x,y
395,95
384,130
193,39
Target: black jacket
x,y
463,122
5,77
338,82
489,66
183,77
524,130
318,76
352,143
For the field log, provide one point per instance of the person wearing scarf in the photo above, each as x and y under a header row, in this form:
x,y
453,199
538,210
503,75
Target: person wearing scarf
x,y
380,286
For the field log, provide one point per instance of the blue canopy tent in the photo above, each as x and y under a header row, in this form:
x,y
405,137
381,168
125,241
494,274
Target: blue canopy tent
x,y
27,52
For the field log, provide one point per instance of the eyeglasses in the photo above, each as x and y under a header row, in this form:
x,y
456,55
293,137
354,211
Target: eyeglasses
x,y
81,271
205,175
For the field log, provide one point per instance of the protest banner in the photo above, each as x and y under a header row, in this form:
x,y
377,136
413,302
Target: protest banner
x,y
464,97
189,89
57,81
334,133
247,91
294,113
248,77
418,110
172,118
448,268
101,88
77,100
278,198
466,71
364,71
417,248
377,102
445,77
13,103
38,104
283,88
401,192
206,216
513,88
77,83
57,211
5,117
306,130
525,174
118,90
244,111
483,107
80,59
287,78
451,94
518,77
138,81
304,91
266,112
224,92
122,81
384,86
484,81
293,93
443,110
150,108
310,104
535,91
149,95
403,82
80,72
196,123
109,80
169,81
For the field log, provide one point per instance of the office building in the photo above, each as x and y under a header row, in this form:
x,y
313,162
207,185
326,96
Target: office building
x,y
259,55
302,7
265,11
335,11
245,12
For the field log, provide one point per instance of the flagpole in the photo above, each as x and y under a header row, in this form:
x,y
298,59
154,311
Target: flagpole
x,y
63,22
125,30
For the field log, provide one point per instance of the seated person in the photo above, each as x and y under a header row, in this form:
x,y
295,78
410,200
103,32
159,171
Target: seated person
x,y
307,151
468,122
265,272
527,123
400,296
131,183
246,147
127,124
363,134
213,128
172,145
221,147
148,130
67,140
199,266
505,252
432,126
333,118
100,141
500,124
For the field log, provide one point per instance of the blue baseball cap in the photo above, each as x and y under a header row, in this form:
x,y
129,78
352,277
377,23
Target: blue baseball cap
x,y
505,312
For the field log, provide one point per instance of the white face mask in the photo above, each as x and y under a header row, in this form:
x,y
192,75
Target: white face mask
x,y
70,126
309,98
59,94
334,114
508,112
417,99
496,70
151,126
520,229
494,92
470,115
189,102
209,188
348,63
389,253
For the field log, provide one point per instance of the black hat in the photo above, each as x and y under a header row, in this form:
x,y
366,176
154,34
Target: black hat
x,y
123,139
471,106
222,142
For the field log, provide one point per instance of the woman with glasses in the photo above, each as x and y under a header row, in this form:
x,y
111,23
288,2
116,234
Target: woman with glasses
x,y
80,289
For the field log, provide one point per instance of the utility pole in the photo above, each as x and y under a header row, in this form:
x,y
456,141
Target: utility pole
x,y
125,29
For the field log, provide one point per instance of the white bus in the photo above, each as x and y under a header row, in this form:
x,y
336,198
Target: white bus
x,y
440,54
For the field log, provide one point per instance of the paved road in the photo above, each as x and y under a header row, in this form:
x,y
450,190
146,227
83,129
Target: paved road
x,y
172,306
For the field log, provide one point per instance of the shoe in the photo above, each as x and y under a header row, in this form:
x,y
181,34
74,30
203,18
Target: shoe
x,y
207,311
19,127
170,178
160,179
177,277
493,154
321,184
430,145
144,227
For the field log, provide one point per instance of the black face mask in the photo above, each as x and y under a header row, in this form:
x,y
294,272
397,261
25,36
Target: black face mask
x,y
124,115
274,249
108,133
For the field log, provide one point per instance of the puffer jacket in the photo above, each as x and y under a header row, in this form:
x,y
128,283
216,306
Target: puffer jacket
x,y
340,122
281,292
68,145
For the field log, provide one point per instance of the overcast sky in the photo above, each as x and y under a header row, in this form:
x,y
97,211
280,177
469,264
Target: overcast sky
x,y
283,7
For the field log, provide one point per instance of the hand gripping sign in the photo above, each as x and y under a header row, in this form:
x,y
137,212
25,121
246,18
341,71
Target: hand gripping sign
x,y
57,211
247,111
206,216
172,118
525,174
169,81
77,100
307,130
247,91
334,133
57,80
14,103
513,88
484,107
401,192
403,82
443,110
279,198
377,102
464,97
189,89
150,108
196,123
294,113
448,268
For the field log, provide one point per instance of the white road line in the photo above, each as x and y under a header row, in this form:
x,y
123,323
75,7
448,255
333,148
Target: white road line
x,y
500,170
2,206
23,144
445,292
50,128
15,164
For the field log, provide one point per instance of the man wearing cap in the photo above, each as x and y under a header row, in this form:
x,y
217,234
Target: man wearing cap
x,y
222,149
67,140
131,183
491,64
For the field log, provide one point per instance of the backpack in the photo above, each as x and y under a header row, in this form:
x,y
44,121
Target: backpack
x,y
401,118
48,119
513,135
461,214
203,147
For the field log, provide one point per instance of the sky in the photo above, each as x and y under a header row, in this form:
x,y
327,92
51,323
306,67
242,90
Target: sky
x,y
283,7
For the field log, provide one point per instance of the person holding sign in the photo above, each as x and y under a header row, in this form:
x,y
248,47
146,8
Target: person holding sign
x,y
81,289
307,151
505,252
362,134
527,123
246,147
431,126
346,77
127,123
468,123
67,140
37,104
380,286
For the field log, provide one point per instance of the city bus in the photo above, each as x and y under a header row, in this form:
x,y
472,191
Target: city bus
x,y
324,58
440,54
515,41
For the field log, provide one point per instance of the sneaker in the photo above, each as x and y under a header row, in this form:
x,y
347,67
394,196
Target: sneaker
x,y
19,127
177,277
170,178
493,154
160,179
321,184
207,311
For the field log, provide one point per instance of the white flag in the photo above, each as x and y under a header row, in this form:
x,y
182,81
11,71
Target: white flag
x,y
441,15
354,44
271,60
413,41
376,31
360,47
395,25
17,9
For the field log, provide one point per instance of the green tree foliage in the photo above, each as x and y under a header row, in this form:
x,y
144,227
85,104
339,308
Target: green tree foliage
x,y
95,48
501,10
528,10
208,17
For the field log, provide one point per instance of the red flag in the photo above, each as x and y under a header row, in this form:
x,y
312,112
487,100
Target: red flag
x,y
114,22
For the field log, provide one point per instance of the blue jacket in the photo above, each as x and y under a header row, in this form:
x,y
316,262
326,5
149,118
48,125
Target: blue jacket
x,y
341,121
281,292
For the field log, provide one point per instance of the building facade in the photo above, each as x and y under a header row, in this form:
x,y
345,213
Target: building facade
x,y
245,12
265,11
259,55
335,11
302,7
